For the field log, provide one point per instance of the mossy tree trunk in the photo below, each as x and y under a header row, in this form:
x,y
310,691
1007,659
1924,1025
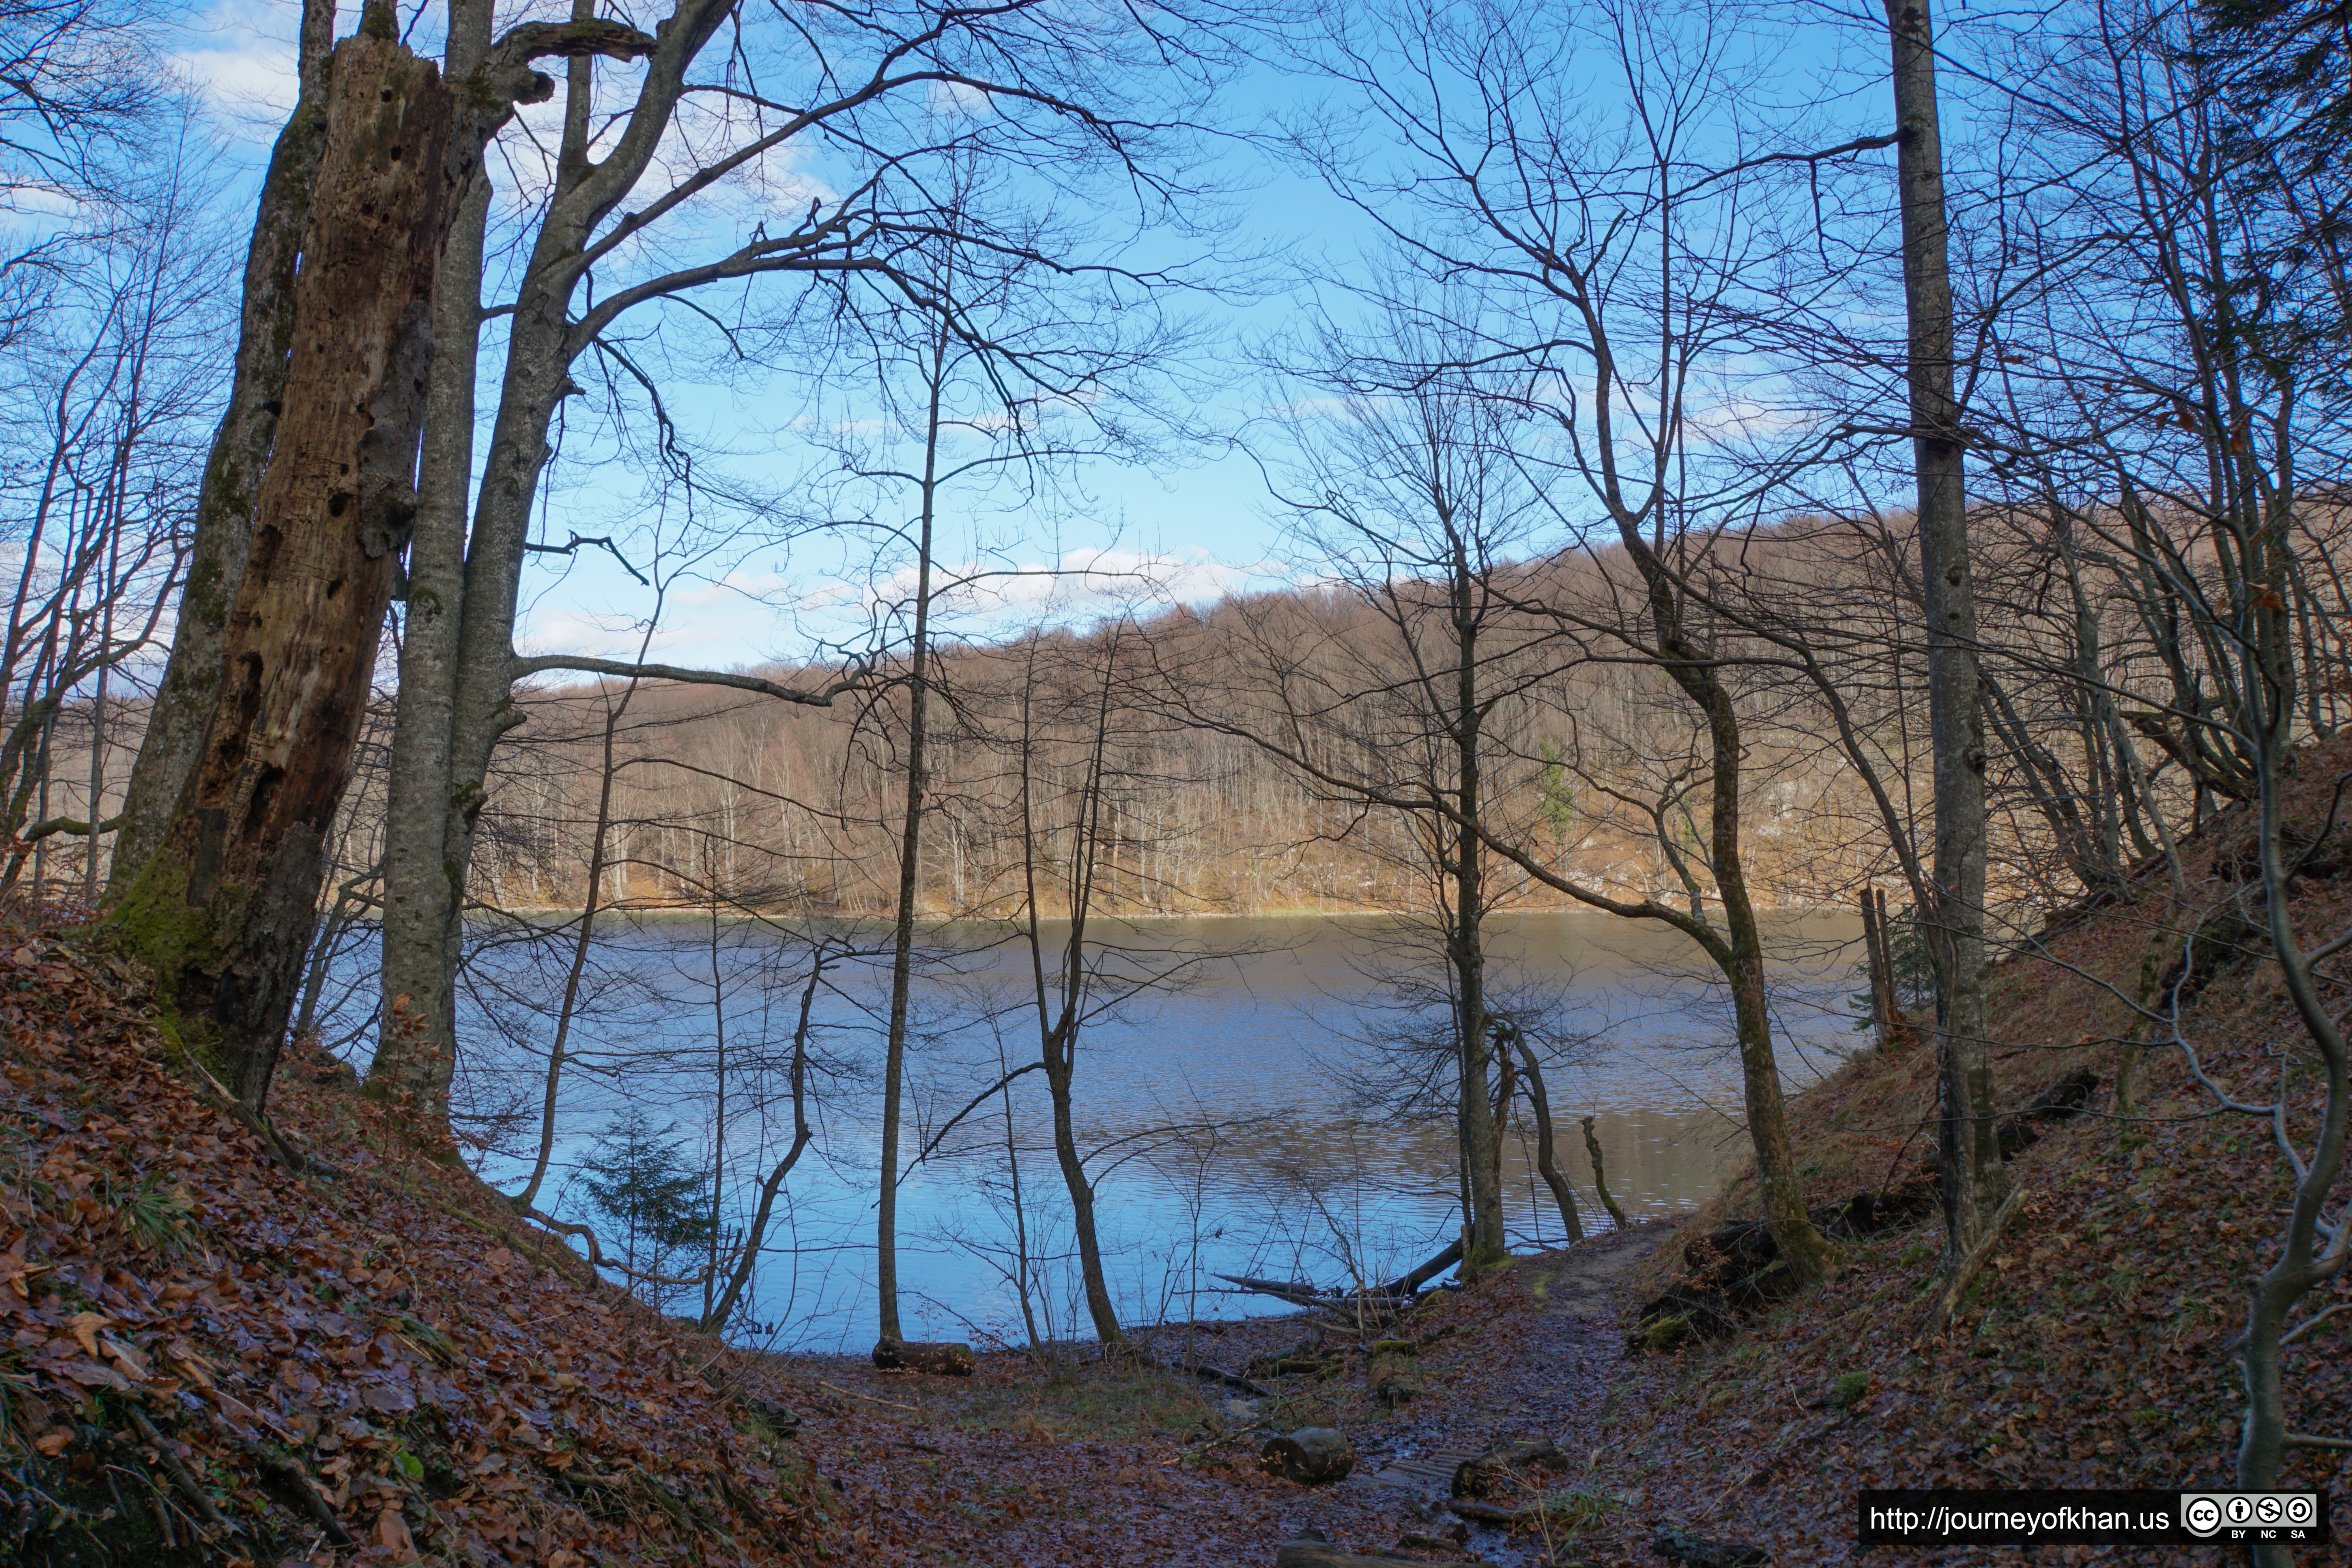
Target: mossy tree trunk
x,y
223,909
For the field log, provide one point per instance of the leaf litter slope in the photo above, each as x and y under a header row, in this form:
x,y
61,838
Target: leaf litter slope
x,y
2096,1348
212,1359
197,1338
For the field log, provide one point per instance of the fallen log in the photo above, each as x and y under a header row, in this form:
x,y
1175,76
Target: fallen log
x,y
1310,1355
1412,1283
1697,1552
1947,1300
945,1360
1302,1291
1478,1475
1312,1457
1202,1369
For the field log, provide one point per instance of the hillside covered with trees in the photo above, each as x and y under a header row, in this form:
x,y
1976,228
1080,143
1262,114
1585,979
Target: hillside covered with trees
x,y
1717,461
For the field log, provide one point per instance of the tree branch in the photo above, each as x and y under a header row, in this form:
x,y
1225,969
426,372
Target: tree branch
x,y
519,666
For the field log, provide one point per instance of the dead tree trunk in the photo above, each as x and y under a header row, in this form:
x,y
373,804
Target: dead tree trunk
x,y
1600,1177
233,468
224,909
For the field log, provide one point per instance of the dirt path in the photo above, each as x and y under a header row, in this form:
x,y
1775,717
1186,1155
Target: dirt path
x,y
1096,1465
1550,1383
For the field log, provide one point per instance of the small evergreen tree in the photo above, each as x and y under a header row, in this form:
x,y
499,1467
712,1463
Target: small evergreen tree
x,y
653,1203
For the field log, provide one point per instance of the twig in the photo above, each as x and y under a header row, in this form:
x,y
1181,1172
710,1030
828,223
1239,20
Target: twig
x,y
178,1471
295,1476
2310,1323
1261,1424
1948,1301
215,1093
2306,1440
869,1398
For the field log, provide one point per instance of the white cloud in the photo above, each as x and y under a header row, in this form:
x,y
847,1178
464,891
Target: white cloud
x,y
241,55
1088,581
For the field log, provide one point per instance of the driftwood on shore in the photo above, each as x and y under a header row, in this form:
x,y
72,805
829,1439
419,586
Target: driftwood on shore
x,y
937,1359
1396,1296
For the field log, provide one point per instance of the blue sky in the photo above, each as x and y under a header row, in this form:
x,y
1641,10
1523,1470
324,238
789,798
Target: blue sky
x,y
1198,525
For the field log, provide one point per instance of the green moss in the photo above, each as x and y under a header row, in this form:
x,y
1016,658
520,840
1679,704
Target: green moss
x,y
155,925
1666,1332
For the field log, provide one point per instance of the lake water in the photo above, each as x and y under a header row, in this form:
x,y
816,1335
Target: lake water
x,y
1257,1119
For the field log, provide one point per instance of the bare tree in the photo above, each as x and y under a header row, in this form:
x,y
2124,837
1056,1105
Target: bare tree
x,y
1973,1182
1624,253
871,86
2173,401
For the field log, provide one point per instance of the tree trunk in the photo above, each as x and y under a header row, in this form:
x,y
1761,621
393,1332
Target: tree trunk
x,y
232,469
910,842
1546,1163
224,911
1759,1068
1973,1180
1877,954
568,1007
1099,1307
416,1052
1600,1177
423,883
1481,1143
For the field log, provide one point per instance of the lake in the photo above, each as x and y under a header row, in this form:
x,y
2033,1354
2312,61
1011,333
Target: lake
x,y
1258,1118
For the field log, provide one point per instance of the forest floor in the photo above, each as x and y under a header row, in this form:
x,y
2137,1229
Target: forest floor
x,y
209,1358
1084,1461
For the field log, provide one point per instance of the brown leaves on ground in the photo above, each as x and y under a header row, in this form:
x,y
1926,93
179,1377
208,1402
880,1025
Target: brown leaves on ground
x,y
2096,1350
446,1383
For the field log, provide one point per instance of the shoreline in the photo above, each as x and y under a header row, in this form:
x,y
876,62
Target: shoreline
x,y
703,912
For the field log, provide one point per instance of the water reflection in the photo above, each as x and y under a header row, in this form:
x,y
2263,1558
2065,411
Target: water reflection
x,y
1224,1136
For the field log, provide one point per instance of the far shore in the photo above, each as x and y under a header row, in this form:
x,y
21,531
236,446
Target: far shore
x,y
703,912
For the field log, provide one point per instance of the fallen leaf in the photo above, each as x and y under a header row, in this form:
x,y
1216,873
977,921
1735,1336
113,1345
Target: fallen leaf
x,y
393,1532
85,1326
126,1357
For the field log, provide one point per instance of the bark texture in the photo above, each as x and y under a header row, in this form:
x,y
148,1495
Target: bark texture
x,y
1312,1457
1974,1184
223,909
233,467
943,1359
